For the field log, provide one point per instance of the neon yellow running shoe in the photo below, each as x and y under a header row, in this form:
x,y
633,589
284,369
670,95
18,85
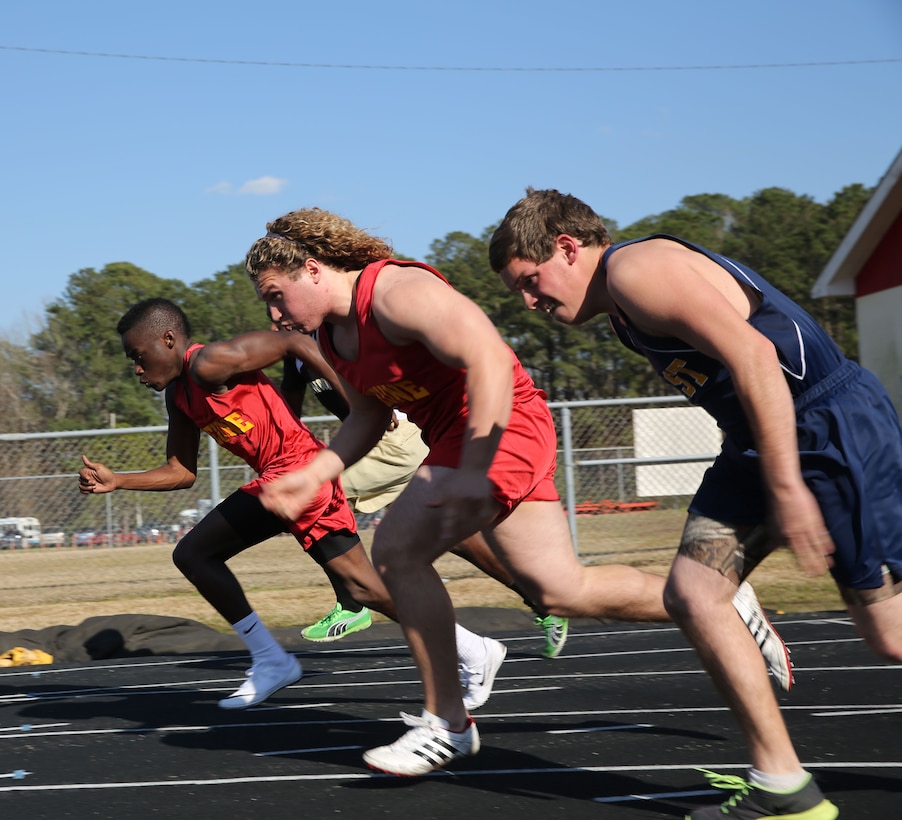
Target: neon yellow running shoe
x,y
338,623
751,803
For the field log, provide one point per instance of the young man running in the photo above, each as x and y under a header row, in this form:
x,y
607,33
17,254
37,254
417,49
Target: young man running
x,y
812,454
220,389
400,336
373,483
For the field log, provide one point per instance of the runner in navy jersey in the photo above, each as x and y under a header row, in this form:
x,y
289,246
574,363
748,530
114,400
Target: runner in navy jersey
x,y
812,453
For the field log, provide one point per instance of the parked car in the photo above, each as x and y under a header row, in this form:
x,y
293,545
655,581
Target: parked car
x,y
12,541
48,539
88,538
149,534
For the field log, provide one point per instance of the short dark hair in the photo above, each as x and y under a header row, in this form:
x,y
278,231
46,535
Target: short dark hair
x,y
531,226
155,314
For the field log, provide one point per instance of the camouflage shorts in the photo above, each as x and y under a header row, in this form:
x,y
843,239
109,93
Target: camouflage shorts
x,y
734,550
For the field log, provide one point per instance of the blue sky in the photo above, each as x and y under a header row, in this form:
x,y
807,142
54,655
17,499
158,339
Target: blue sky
x,y
250,110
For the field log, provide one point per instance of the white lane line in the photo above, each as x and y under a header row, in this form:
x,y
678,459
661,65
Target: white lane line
x,y
308,751
204,685
265,725
827,642
625,653
30,727
576,632
615,728
626,798
856,712
674,710
200,727
881,668
126,664
335,776
311,654
288,706
496,691
185,686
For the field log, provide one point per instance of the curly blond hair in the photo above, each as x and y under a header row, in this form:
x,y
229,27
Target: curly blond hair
x,y
315,233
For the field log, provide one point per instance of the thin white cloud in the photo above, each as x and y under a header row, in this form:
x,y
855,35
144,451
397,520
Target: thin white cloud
x,y
263,186
220,188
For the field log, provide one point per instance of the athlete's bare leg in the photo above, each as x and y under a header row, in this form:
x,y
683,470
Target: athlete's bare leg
x,y
405,546
534,541
342,594
880,625
354,573
699,599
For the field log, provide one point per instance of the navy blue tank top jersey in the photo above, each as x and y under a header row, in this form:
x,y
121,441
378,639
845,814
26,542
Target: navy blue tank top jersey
x,y
806,353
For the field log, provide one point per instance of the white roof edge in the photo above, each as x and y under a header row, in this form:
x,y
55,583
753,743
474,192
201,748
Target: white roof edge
x,y
838,276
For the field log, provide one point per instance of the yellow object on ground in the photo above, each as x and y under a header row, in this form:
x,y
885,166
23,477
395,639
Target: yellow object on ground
x,y
19,656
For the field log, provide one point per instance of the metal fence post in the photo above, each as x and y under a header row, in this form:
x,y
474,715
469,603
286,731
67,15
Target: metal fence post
x,y
109,519
569,481
213,449
108,501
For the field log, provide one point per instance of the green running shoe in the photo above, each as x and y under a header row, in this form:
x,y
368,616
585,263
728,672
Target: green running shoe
x,y
338,623
752,803
555,629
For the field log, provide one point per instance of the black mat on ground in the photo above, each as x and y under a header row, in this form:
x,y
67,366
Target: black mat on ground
x,y
120,636
136,635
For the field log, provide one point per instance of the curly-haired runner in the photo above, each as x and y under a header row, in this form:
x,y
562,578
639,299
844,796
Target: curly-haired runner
x,y
373,483
400,336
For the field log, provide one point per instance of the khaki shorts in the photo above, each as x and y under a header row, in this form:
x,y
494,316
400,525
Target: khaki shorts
x,y
380,476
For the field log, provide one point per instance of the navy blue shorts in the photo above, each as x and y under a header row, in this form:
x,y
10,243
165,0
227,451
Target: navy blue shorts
x,y
850,446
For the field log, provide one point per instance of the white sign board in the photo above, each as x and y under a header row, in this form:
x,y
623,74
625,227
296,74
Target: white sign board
x,y
673,431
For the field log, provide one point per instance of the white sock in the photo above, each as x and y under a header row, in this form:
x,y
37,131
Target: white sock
x,y
434,720
780,783
257,638
470,647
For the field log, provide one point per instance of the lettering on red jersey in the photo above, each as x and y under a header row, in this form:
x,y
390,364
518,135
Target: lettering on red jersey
x,y
397,393
225,429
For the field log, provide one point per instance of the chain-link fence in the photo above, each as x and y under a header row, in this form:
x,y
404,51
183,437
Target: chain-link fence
x,y
615,456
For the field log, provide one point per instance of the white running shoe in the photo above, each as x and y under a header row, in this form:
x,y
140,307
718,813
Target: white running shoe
x,y
428,746
775,652
477,682
262,680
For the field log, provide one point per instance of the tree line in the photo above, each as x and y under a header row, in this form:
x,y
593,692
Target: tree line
x,y
72,373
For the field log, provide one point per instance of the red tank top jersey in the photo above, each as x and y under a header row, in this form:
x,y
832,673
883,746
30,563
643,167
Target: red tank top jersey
x,y
409,377
434,397
251,420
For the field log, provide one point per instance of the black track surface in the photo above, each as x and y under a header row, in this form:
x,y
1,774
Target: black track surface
x,y
616,727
